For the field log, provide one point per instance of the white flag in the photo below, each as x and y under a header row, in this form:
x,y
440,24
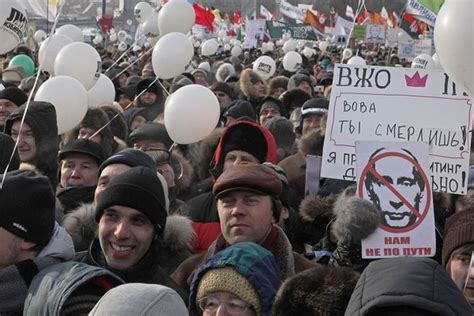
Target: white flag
x,y
264,12
350,12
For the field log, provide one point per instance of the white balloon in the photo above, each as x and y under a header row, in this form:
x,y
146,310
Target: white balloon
x,y
292,61
121,35
357,60
71,31
423,61
290,46
308,52
347,53
103,92
142,11
209,47
39,36
454,41
122,47
226,47
113,37
150,26
437,64
171,55
69,99
13,22
222,34
80,61
323,46
237,43
49,49
265,66
191,114
176,16
264,48
236,51
226,40
286,36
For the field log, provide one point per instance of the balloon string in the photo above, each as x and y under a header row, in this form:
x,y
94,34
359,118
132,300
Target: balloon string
x,y
360,5
133,63
118,59
28,101
129,105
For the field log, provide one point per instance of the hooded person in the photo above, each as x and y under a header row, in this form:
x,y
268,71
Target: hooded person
x,y
152,99
242,142
69,288
269,108
406,286
248,204
282,130
38,138
318,291
140,299
134,118
252,87
245,275
238,109
96,119
224,93
277,86
30,239
293,99
7,144
10,99
131,214
302,82
200,76
225,71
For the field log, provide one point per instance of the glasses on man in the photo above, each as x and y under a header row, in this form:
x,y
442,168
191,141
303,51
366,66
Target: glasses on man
x,y
220,94
233,306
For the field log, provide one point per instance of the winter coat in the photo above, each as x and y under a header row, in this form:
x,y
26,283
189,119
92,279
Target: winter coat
x,y
70,198
288,261
254,263
16,279
153,110
51,287
41,118
202,209
407,281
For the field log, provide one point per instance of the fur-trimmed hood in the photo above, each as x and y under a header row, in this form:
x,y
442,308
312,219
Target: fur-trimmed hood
x,y
312,143
81,225
316,208
294,99
201,153
185,178
248,78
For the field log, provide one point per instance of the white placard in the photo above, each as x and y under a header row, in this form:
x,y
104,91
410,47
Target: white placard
x,y
394,104
254,30
395,177
375,34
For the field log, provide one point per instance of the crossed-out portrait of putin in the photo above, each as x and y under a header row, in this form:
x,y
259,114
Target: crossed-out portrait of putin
x,y
405,179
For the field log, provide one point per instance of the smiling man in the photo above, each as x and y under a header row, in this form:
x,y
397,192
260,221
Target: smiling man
x,y
131,213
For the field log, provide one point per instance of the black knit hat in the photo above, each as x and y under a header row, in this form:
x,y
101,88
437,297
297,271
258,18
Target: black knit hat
x,y
15,95
7,144
151,131
138,188
145,85
458,231
27,206
315,106
83,146
222,87
239,108
129,157
270,102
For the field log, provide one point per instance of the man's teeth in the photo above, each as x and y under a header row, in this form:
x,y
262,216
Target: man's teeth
x,y
121,248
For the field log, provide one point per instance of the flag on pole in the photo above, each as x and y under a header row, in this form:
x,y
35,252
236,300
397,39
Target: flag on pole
x,y
265,13
318,21
411,25
204,17
350,12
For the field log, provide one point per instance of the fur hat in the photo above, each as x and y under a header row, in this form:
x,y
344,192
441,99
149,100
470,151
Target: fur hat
x,y
240,108
28,206
293,99
14,95
277,82
225,71
147,70
248,78
297,79
459,230
322,290
223,87
138,188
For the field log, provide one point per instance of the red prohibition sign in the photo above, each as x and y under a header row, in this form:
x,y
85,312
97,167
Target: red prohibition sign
x,y
420,216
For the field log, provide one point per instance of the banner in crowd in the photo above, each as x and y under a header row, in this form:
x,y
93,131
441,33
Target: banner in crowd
x,y
292,12
409,50
424,10
399,105
343,26
304,32
375,34
254,31
396,178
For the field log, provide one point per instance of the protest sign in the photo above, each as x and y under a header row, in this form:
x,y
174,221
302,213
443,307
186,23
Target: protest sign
x,y
359,32
254,30
371,103
395,177
375,34
291,11
304,32
343,26
313,174
422,11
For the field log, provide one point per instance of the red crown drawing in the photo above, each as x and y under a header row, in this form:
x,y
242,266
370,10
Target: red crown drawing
x,y
416,80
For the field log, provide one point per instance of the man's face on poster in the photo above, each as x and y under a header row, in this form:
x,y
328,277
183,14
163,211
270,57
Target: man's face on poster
x,y
406,180
374,32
